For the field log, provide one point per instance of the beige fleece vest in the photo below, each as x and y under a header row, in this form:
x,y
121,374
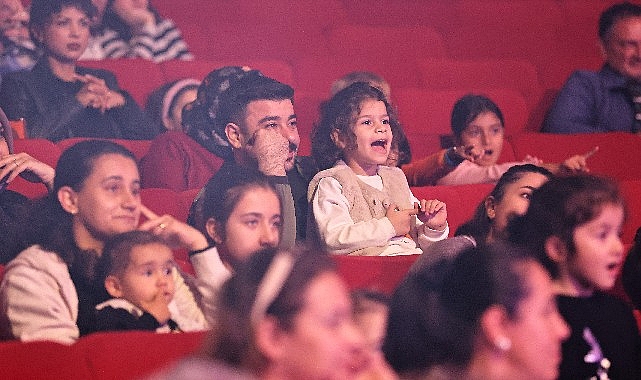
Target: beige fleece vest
x,y
365,202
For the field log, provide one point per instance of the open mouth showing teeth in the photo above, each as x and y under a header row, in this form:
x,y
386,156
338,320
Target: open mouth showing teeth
x,y
381,143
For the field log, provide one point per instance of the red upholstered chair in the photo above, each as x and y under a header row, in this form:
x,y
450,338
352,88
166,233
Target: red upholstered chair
x,y
430,111
516,74
631,191
379,273
135,354
435,13
423,144
139,77
617,156
198,69
164,201
138,147
43,360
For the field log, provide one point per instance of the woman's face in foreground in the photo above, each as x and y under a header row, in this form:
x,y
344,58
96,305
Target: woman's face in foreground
x,y
537,331
324,342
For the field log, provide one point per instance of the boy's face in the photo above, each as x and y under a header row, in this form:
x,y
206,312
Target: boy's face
x,y
147,281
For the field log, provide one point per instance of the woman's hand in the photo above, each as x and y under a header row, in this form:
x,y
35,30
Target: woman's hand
x,y
95,94
27,167
174,232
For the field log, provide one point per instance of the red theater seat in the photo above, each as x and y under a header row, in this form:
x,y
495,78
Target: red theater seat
x,y
43,360
138,147
430,111
198,69
516,74
616,158
379,273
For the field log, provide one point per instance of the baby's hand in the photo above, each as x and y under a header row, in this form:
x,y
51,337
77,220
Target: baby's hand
x,y
158,307
579,162
433,213
400,218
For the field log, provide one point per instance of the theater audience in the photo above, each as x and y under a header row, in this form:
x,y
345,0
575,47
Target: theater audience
x,y
47,290
133,29
604,101
574,224
487,313
59,99
359,206
478,128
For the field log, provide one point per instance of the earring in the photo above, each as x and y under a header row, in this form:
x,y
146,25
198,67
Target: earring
x,y
503,343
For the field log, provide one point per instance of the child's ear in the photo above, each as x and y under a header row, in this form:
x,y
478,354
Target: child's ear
x,y
234,135
213,229
337,138
68,199
489,207
556,249
112,284
269,338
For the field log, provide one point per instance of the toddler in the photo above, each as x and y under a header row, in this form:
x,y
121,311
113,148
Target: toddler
x,y
136,269
359,206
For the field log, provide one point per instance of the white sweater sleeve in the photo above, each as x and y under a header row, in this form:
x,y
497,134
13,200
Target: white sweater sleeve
x,y
337,228
39,302
211,274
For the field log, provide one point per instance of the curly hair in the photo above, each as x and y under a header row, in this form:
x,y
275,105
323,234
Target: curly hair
x,y
339,114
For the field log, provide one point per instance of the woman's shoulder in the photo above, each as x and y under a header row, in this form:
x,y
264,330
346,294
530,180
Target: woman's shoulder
x,y
35,257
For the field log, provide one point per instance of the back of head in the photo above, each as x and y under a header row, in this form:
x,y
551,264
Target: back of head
x,y
480,225
560,206
338,114
434,314
468,108
369,77
162,100
222,98
41,11
271,283
615,13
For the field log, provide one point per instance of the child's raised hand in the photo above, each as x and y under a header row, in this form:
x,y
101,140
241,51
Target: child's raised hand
x,y
271,150
433,213
469,152
400,219
579,162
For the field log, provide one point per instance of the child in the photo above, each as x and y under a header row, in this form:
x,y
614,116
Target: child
x,y
359,206
574,223
136,270
478,127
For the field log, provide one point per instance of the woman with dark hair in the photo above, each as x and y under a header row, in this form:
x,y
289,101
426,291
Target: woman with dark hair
x,y
58,99
283,315
47,292
478,128
134,29
489,313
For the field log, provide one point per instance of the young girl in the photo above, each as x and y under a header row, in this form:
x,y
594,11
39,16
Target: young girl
x,y
574,224
359,206
136,269
478,128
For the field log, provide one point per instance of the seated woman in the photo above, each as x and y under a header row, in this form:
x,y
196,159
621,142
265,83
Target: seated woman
x,y
175,160
13,206
59,100
478,128
134,29
282,316
47,292
489,313
509,198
